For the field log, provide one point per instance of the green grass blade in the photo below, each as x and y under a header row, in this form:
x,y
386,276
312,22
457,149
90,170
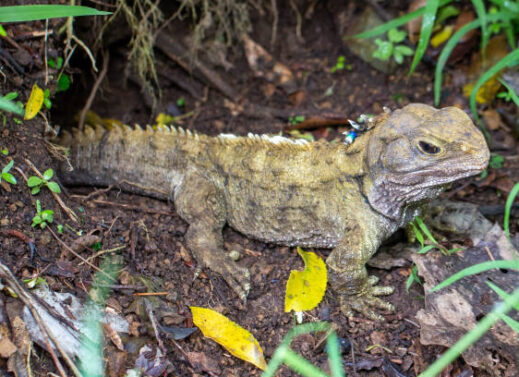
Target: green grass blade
x,y
394,23
508,208
23,13
431,7
504,295
6,105
334,355
472,336
482,16
511,59
476,269
512,92
451,44
425,230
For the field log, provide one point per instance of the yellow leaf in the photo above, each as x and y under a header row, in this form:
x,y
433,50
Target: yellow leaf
x,y
234,338
441,36
164,119
487,92
34,103
305,289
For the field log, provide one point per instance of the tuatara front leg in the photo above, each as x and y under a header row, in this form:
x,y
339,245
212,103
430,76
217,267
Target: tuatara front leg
x,y
348,276
200,203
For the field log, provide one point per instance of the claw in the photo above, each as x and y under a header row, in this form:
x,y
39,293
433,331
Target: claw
x,y
365,301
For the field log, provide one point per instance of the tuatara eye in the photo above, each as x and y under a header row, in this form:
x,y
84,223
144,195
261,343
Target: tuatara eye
x,y
428,148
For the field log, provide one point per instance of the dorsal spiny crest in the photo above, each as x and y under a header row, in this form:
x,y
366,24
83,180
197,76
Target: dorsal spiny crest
x,y
89,133
99,130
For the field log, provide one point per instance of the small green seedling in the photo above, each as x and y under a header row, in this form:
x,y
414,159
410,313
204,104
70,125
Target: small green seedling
x,y
420,229
181,102
339,66
3,33
60,228
42,218
391,48
6,176
413,278
296,119
46,99
509,94
36,182
34,281
63,79
5,151
496,162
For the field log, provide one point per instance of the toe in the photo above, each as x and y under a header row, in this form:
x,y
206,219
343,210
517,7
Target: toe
x,y
381,291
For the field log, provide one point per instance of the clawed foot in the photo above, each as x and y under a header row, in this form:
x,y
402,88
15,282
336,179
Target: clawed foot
x,y
365,300
238,278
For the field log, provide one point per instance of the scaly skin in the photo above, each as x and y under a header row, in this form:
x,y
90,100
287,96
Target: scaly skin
x,y
349,198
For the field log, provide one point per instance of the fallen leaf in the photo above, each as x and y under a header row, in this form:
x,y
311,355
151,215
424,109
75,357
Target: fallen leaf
x,y
34,103
234,338
305,289
203,362
492,119
441,36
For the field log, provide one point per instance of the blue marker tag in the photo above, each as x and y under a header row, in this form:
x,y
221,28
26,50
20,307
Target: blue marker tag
x,y
350,137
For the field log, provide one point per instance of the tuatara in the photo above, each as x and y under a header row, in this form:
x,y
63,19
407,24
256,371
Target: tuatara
x,y
291,192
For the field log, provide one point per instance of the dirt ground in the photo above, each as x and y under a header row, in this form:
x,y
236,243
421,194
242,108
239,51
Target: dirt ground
x,y
153,234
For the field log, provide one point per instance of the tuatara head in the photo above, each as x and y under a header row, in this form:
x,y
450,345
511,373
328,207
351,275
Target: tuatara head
x,y
417,151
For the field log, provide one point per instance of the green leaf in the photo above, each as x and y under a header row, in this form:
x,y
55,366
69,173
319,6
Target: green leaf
x,y
11,96
404,50
396,36
384,51
48,174
23,13
34,181
6,105
51,63
399,58
35,190
8,177
511,92
63,83
431,7
36,220
396,22
54,187
3,33
476,269
445,13
59,62
8,166
38,206
47,102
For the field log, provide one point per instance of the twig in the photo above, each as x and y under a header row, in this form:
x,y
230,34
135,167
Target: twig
x,y
77,255
151,294
45,40
275,16
28,300
153,321
67,210
95,87
101,252
132,207
172,48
